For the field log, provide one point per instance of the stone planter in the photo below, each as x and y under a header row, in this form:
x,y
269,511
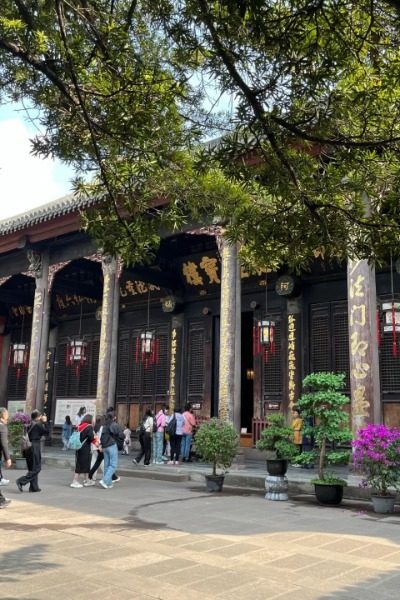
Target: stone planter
x,y
20,463
276,487
214,483
383,504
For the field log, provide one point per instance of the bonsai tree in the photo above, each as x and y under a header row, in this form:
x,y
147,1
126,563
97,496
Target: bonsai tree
x,y
324,406
277,438
217,442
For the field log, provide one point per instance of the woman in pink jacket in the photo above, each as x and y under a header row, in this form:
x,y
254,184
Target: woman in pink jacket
x,y
190,424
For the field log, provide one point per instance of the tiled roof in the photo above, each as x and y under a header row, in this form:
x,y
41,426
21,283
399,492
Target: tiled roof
x,y
46,212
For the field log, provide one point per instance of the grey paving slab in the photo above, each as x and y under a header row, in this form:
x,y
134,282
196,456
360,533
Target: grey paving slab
x,y
154,539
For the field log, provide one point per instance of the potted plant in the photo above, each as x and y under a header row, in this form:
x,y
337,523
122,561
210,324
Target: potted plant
x,y
17,426
276,440
376,453
217,442
324,406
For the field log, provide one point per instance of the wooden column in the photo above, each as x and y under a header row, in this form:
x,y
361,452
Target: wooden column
x,y
112,383
109,266
175,367
228,330
39,266
237,397
364,358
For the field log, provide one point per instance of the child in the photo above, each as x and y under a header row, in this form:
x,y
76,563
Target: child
x,y
127,439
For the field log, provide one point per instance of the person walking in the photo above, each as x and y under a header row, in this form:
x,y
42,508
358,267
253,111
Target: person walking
x,y
158,436
176,437
97,454
145,433
83,455
127,440
66,432
4,452
187,432
110,432
79,416
33,456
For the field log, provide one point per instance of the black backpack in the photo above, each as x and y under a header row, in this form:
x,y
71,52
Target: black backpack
x,y
171,427
118,435
155,426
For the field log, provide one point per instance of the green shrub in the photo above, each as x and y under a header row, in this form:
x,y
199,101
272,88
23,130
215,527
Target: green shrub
x,y
217,442
277,438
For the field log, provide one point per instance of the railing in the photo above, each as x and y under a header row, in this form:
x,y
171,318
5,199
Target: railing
x,y
257,425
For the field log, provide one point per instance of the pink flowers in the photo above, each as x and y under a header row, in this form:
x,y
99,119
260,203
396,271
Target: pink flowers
x,y
20,417
376,452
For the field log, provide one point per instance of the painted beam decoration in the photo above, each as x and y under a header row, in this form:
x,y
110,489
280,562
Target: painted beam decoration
x,y
292,366
360,343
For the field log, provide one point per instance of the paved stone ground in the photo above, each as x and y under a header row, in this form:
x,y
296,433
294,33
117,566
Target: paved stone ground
x,y
148,539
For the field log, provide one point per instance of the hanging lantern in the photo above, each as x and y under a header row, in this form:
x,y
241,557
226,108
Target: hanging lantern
x,y
378,327
264,339
147,349
76,354
392,323
18,357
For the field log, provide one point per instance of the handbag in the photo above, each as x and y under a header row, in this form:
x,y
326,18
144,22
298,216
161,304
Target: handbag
x,y
26,443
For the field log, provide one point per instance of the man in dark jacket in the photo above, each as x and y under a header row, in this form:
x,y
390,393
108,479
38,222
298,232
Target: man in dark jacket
x,y
4,453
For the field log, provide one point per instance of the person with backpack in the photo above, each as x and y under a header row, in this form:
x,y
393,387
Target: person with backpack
x,y
160,421
33,455
175,431
85,435
110,434
145,434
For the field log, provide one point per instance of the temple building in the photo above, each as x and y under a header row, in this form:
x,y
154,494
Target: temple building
x,y
78,328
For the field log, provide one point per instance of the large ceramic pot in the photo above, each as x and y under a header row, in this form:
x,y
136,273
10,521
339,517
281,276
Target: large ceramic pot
x,y
383,504
330,494
214,483
277,466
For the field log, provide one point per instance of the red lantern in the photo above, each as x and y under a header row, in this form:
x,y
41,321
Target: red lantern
x,y
264,339
147,349
18,357
76,354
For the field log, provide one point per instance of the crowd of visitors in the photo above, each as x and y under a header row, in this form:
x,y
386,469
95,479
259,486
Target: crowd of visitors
x,y
163,438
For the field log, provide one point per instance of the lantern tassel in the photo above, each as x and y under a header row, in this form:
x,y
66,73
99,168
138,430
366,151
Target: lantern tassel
x,y
378,328
394,341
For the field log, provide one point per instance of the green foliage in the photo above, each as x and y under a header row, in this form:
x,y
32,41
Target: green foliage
x,y
277,437
217,442
305,97
324,406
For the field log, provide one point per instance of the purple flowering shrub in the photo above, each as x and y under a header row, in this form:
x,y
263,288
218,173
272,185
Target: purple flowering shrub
x,y
20,417
16,426
376,453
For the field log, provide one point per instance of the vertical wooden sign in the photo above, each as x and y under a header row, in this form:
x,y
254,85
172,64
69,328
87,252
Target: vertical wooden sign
x,y
364,372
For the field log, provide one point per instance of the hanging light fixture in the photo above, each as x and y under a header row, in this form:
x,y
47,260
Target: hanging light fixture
x,y
76,354
264,333
392,314
147,345
18,357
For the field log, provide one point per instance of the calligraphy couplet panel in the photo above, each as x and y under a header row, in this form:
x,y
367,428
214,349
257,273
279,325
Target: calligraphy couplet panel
x,y
364,374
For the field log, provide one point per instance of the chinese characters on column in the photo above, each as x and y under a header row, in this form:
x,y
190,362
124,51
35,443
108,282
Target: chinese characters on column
x,y
291,359
359,344
172,371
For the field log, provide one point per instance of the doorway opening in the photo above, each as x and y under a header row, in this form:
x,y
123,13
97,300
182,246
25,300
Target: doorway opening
x,y
247,371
